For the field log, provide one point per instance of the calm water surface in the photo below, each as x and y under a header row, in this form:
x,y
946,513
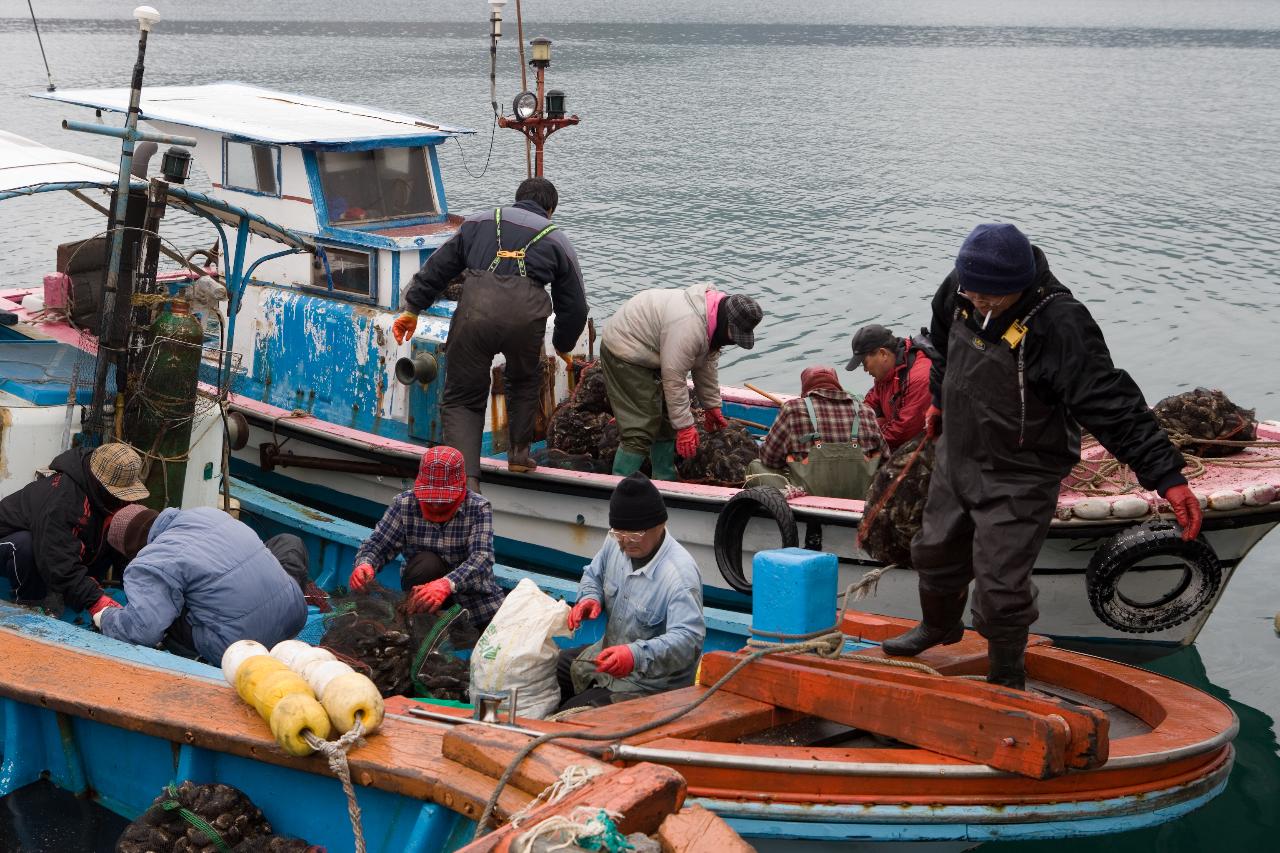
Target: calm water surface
x,y
827,157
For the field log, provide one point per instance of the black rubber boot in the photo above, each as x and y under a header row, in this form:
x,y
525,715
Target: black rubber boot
x,y
940,625
519,460
1006,659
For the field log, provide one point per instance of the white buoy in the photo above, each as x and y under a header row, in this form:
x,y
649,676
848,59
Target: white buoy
x,y
1225,500
236,654
1092,509
1259,495
1130,506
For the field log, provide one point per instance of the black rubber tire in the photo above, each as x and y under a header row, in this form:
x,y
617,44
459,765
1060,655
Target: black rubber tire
x,y
758,501
1125,550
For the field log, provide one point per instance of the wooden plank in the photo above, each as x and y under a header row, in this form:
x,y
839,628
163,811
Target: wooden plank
x,y
695,828
728,717
969,728
401,757
490,750
644,795
1087,748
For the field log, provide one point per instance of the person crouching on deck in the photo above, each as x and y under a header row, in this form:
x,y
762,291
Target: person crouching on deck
x,y
652,591
52,529
650,347
445,532
197,581
825,441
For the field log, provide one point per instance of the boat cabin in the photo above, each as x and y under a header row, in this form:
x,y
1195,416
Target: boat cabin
x,y
363,186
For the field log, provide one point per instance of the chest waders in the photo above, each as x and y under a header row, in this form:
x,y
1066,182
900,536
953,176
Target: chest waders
x,y
1001,459
835,469
498,313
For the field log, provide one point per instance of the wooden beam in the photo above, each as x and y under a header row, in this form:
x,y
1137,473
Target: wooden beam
x,y
969,728
695,828
1089,743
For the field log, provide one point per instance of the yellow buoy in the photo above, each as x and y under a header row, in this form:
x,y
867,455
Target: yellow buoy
x,y
266,683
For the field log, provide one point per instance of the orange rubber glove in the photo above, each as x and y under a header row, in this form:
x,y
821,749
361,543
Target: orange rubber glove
x,y
429,597
1186,508
404,326
617,661
933,423
713,420
687,441
584,610
361,575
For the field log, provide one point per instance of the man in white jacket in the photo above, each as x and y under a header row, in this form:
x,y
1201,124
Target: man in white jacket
x,y
649,348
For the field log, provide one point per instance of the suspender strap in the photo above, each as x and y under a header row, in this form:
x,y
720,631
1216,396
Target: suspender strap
x,y
816,436
516,255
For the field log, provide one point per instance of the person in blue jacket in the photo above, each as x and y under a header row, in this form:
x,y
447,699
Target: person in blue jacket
x,y
197,581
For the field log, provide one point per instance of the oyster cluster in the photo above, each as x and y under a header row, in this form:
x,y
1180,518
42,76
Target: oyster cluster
x,y
886,535
1205,414
722,456
227,810
582,434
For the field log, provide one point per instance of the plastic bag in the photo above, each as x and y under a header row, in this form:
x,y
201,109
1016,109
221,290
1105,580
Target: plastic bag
x,y
517,651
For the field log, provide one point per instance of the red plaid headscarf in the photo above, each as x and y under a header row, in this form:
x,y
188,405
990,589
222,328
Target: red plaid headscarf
x,y
441,485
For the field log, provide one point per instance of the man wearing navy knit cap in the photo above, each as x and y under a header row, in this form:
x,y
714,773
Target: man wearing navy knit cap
x,y
1022,367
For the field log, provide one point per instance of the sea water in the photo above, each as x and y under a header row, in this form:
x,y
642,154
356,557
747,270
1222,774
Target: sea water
x,y
826,157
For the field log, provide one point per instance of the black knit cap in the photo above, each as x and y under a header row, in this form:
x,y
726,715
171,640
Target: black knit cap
x,y
636,504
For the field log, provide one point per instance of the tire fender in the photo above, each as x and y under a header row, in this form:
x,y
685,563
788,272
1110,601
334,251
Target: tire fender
x,y
732,524
1199,586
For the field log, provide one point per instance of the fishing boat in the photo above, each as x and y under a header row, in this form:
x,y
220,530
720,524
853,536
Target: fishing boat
x,y
119,723
338,413
804,752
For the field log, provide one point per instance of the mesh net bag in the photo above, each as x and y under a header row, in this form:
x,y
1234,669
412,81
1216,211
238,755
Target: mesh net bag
x,y
582,434
895,502
401,652
722,457
1196,418
195,819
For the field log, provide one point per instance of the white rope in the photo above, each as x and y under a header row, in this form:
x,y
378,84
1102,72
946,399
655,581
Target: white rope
x,y
336,752
574,777
563,832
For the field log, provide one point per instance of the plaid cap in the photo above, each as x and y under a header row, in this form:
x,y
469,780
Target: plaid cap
x,y
118,467
743,314
442,477
867,340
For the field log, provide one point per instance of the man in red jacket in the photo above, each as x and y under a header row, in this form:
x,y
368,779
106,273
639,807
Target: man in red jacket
x,y
900,396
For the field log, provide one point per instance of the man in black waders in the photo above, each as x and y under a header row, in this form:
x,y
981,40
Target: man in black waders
x,y
508,255
1022,366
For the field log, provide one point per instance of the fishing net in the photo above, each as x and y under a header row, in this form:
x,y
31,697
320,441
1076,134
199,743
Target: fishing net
x,y
190,818
722,456
1197,420
404,654
895,502
582,434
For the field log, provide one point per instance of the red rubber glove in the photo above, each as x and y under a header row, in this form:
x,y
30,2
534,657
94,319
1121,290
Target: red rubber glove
x,y
96,609
361,575
404,326
1186,509
687,441
713,420
429,597
616,661
586,609
933,422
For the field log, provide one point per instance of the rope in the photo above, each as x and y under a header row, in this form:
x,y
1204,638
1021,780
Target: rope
x,y
593,825
336,753
574,777
828,645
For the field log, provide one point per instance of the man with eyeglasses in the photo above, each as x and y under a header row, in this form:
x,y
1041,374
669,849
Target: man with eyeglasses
x,y
1022,367
652,591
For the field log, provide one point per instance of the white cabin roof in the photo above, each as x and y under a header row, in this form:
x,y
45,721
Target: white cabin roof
x,y
26,163
261,114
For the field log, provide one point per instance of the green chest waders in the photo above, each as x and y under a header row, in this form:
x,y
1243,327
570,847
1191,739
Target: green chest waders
x,y
833,469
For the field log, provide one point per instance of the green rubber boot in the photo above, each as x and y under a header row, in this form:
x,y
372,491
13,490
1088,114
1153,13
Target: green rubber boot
x,y
626,463
662,459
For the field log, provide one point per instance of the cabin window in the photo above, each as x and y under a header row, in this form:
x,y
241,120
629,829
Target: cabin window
x,y
368,186
351,272
251,167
